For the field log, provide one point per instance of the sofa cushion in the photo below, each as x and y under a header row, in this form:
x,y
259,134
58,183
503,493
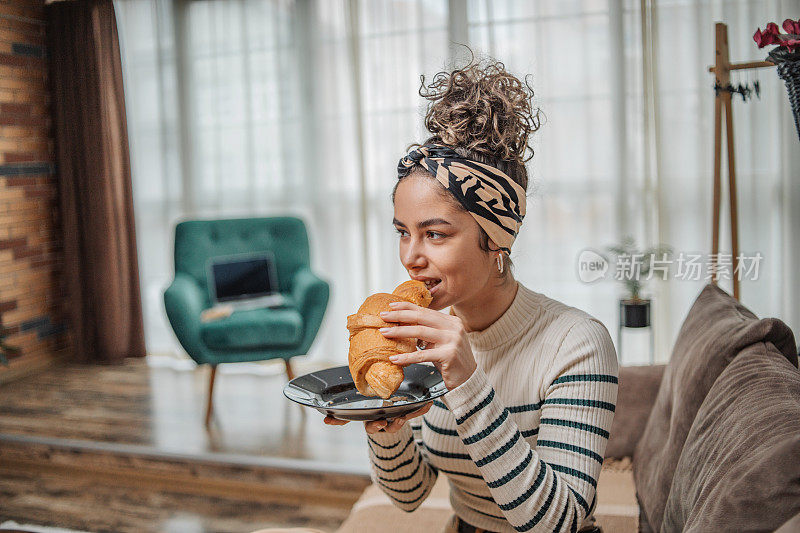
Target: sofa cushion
x,y
715,330
791,526
374,511
638,387
616,508
740,466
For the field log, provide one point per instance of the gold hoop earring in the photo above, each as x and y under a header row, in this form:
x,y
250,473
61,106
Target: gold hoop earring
x,y
500,262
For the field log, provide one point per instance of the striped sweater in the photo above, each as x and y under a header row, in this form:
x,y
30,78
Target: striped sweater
x,y
522,440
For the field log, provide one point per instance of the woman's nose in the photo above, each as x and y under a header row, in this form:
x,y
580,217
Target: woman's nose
x,y
413,255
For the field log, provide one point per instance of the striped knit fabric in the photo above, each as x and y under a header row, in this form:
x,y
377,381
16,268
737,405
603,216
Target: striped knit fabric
x,y
522,440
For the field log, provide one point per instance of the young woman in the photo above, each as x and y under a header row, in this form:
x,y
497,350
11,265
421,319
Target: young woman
x,y
532,382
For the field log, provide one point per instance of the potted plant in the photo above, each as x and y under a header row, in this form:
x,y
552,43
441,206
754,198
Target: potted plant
x,y
787,58
634,311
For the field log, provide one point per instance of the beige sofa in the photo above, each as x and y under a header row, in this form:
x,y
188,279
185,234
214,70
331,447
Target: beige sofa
x,y
616,506
709,442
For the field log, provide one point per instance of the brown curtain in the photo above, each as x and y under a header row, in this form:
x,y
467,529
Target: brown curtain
x,y
93,169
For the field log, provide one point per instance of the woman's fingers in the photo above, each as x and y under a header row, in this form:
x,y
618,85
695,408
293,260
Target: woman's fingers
x,y
377,425
396,424
373,426
334,421
425,333
428,355
409,313
418,412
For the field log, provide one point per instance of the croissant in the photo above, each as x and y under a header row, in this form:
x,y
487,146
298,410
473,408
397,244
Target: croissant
x,y
373,373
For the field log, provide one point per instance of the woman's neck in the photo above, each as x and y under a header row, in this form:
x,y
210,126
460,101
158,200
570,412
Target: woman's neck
x,y
482,311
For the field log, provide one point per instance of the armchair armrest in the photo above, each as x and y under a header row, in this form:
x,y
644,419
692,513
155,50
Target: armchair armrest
x,y
311,294
305,285
184,301
636,395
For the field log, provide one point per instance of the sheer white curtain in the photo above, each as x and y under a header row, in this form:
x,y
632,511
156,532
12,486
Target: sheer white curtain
x,y
767,153
262,107
267,107
627,146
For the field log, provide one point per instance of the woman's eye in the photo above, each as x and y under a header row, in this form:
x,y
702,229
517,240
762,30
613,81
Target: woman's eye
x,y
434,233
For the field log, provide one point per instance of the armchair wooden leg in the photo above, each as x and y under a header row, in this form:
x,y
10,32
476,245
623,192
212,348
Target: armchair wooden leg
x,y
289,372
210,404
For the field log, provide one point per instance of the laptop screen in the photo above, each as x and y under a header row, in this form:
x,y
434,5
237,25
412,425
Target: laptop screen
x,y
244,277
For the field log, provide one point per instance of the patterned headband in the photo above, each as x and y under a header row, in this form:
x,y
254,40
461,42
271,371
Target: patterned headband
x,y
496,201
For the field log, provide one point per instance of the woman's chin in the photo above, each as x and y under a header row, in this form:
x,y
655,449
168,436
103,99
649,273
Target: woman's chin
x,y
438,303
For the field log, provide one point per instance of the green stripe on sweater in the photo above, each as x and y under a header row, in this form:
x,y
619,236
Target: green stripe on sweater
x,y
514,473
607,378
576,473
410,440
396,467
561,520
580,500
483,403
449,455
576,401
570,447
578,425
542,510
404,478
402,491
395,445
487,430
441,431
500,451
528,493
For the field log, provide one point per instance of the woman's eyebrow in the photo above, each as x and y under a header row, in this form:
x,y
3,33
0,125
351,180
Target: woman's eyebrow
x,y
424,223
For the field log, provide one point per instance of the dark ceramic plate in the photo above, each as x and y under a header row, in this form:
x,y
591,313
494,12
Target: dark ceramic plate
x,y
332,392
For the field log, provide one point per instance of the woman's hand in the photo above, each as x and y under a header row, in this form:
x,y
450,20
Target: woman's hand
x,y
373,426
447,346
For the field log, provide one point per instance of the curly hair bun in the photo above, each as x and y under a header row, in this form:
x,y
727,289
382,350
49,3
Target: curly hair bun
x,y
482,108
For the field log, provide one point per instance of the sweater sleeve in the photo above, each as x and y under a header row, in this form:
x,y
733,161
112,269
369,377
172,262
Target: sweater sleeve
x,y
399,468
551,486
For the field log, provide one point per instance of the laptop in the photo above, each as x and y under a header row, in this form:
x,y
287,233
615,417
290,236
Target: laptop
x,y
244,281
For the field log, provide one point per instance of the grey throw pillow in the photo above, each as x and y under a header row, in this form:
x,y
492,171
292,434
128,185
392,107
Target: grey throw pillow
x,y
715,330
740,466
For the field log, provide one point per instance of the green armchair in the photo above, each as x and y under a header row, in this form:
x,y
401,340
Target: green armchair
x,y
249,335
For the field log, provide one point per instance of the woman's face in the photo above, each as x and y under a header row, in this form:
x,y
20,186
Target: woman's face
x,y
439,241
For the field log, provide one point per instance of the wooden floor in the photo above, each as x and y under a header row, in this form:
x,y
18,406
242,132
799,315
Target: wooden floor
x,y
82,504
164,408
146,423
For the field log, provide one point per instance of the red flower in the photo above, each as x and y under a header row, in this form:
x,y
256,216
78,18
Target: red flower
x,y
773,29
772,35
792,26
765,38
790,44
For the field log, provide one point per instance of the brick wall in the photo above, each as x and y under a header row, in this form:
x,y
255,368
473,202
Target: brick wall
x,y
32,297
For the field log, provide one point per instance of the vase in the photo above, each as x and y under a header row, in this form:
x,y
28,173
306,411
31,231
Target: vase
x,y
789,72
634,313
